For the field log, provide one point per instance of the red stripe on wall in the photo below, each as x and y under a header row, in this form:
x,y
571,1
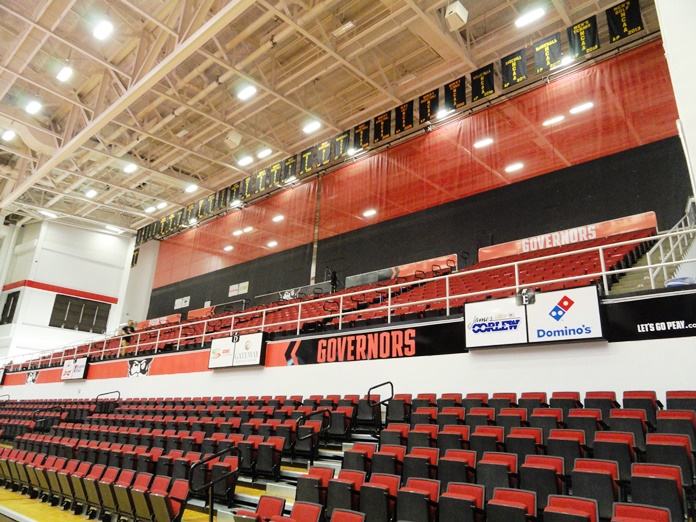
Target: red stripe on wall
x,y
60,290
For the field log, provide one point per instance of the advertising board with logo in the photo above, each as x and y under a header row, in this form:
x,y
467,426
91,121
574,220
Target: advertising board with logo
x,y
567,315
74,369
236,350
494,323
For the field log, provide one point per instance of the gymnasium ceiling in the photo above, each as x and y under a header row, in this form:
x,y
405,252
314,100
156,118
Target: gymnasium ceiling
x,y
161,92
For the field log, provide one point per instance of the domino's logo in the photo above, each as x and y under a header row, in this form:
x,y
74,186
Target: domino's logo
x,y
561,308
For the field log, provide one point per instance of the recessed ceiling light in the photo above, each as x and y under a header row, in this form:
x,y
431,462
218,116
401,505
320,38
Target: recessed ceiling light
x,y
369,213
191,188
48,214
149,210
161,205
485,142
112,228
578,108
8,135
64,74
90,193
228,248
272,244
103,30
130,167
553,121
263,153
237,232
514,167
246,160
247,229
33,107
247,92
311,127
530,17
278,218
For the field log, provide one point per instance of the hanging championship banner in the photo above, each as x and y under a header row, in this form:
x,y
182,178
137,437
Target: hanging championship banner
x,y
382,129
403,117
455,97
261,181
341,145
428,106
275,174
583,38
290,170
323,153
547,53
624,20
306,161
514,67
361,135
482,83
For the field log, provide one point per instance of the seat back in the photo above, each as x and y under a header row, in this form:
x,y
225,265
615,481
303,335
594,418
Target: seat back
x,y
571,509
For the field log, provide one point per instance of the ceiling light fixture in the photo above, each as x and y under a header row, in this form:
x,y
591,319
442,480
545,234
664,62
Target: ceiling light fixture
x,y
485,142
567,60
369,213
237,233
236,203
575,110
514,167
161,205
246,160
272,244
290,180
103,30
343,29
8,135
263,153
278,218
444,113
531,16
48,214
149,210
130,167
114,229
407,78
247,229
228,248
193,221
33,107
191,188
64,74
247,92
554,120
90,193
311,127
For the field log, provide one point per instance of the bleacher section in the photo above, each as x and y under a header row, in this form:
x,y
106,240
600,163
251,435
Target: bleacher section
x,y
430,458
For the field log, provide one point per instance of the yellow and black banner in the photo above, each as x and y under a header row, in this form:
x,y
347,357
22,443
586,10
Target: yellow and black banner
x,y
290,170
275,174
624,20
583,38
455,95
382,127
261,181
341,144
403,120
428,105
514,68
361,135
547,53
482,83
324,153
306,161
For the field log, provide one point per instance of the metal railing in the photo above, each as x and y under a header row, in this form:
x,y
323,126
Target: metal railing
x,y
389,300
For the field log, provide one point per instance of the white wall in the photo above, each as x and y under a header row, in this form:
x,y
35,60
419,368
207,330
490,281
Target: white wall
x,y
652,365
140,280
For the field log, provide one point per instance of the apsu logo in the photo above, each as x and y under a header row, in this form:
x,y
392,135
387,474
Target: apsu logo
x,y
558,311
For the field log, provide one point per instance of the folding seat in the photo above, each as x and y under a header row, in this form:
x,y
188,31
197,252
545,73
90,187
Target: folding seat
x,y
511,505
643,400
346,515
378,497
329,401
487,438
168,506
500,400
343,492
681,400
223,489
605,401
369,413
288,430
449,400
543,475
475,400
675,450
457,466
115,455
479,416
341,423
359,458
148,461
123,494
267,508
678,422
420,462
588,420
250,427
107,490
631,421
659,485
418,500
450,415
312,486
565,401
129,459
532,401
90,484
452,436
140,496
304,511
165,462
181,466
426,415
269,457
597,479
307,439
547,419
423,400
395,433
423,436
561,508
569,444
496,470
78,481
462,503
639,513
388,460
510,418
57,492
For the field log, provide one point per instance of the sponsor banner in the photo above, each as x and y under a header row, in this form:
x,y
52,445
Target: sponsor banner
x,y
238,288
493,323
655,318
439,338
139,367
645,221
567,315
74,369
236,350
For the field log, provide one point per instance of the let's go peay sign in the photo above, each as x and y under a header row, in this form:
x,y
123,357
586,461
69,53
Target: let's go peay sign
x,y
567,315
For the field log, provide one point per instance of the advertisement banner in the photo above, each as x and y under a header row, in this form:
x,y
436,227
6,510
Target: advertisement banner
x,y
74,369
568,315
493,323
656,318
439,338
236,350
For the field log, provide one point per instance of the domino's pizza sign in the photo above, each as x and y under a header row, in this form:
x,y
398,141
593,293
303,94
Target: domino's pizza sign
x,y
567,315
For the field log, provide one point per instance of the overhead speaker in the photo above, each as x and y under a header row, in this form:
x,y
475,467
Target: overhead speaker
x,y
233,139
456,16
